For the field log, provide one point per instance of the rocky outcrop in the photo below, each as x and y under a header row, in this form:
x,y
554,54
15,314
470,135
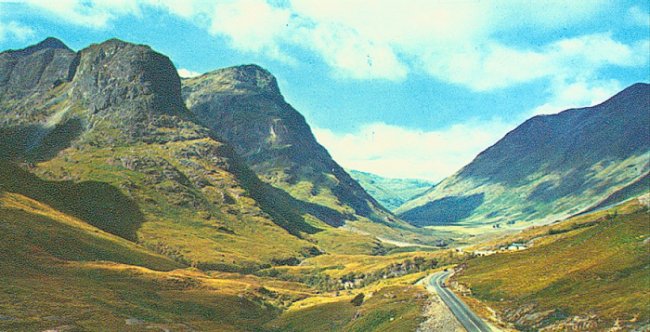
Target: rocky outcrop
x,y
133,78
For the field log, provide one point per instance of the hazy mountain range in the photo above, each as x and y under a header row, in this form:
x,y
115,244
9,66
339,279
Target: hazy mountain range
x,y
391,192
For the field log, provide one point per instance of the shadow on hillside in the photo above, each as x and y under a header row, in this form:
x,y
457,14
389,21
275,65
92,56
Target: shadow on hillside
x,y
286,211
447,210
37,142
97,203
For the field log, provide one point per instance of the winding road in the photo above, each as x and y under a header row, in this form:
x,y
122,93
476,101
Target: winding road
x,y
470,321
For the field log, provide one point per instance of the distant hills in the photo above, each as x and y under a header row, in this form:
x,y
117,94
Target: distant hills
x,y
548,168
390,192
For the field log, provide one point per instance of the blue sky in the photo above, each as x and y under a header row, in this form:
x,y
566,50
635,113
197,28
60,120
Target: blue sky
x,y
399,88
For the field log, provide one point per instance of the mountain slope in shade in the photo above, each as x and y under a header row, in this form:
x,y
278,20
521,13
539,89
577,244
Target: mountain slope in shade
x,y
549,167
390,192
243,105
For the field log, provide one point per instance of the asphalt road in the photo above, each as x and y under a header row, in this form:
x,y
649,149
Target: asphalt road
x,y
470,321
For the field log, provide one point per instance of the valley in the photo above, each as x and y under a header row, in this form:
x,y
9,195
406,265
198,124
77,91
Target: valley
x,y
132,199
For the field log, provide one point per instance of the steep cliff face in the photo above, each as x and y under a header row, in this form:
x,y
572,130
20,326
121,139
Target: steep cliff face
x,y
130,77
244,106
549,167
132,93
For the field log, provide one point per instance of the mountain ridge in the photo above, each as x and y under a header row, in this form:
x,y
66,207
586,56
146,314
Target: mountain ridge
x,y
548,160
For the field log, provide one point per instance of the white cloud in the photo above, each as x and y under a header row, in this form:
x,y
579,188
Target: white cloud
x,y
578,94
93,13
251,25
186,73
15,30
394,151
454,41
352,56
487,67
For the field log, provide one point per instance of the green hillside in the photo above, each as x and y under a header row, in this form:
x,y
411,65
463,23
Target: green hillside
x,y
587,273
390,192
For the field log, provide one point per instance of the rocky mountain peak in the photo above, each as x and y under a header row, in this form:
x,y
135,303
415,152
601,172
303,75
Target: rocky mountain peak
x,y
246,79
134,76
51,42
254,78
47,43
35,69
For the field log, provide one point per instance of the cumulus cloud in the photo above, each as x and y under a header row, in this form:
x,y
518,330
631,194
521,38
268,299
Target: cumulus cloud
x,y
394,151
15,30
94,13
251,25
493,66
578,94
454,41
186,73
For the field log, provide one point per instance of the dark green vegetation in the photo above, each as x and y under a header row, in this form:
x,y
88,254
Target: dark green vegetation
x,y
550,167
588,273
446,210
391,193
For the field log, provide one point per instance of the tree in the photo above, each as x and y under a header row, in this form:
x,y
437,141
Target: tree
x,y
358,300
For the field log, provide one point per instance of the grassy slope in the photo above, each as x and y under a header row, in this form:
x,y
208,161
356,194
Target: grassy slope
x,y
55,272
59,271
179,218
392,305
518,205
595,264
50,258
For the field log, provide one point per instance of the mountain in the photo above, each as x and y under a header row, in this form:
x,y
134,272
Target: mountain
x,y
550,167
111,116
244,106
390,192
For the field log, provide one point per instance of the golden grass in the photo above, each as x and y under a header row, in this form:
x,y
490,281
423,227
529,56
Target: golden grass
x,y
593,264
